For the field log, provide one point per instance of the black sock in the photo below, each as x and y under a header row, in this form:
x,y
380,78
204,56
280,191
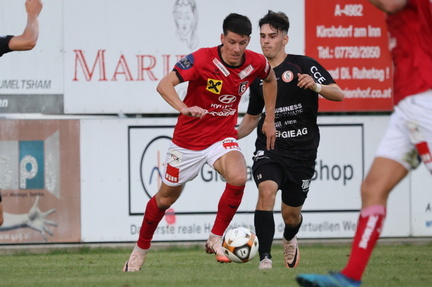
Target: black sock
x,y
265,230
290,232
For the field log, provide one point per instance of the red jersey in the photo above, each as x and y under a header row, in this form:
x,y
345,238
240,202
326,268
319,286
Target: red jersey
x,y
216,87
411,47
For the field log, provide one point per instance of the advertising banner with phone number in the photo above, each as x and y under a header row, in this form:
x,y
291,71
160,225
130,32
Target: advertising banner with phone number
x,y
349,38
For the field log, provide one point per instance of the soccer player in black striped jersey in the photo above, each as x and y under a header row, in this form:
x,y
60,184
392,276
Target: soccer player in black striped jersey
x,y
290,166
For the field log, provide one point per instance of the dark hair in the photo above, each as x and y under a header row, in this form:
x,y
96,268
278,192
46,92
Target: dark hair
x,y
278,21
238,24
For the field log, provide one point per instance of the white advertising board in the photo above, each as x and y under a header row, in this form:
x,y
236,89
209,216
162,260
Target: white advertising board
x,y
117,51
121,160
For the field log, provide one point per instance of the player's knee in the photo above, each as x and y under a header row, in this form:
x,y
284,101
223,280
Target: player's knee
x,y
237,180
165,202
292,219
366,188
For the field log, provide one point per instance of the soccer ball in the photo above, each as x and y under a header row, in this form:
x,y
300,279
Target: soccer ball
x,y
240,244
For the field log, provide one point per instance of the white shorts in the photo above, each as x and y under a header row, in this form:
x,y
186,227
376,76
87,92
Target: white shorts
x,y
408,139
183,165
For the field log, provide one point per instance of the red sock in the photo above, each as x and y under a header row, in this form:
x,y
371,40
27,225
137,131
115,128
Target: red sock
x,y
152,216
371,221
227,207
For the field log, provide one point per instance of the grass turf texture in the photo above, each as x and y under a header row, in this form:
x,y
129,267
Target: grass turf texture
x,y
391,265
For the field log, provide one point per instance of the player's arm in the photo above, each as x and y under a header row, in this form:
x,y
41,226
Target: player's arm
x,y
331,92
270,94
389,6
27,40
247,125
166,89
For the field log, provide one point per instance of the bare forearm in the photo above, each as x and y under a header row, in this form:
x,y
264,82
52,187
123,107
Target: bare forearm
x,y
270,95
332,92
166,89
247,125
28,39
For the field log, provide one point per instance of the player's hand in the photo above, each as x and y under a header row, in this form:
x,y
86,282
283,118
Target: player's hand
x,y
305,81
33,7
195,111
269,130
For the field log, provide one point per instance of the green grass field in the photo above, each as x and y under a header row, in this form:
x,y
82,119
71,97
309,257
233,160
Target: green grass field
x,y
391,265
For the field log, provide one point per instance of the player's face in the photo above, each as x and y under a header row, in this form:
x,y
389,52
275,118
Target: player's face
x,y
272,41
234,46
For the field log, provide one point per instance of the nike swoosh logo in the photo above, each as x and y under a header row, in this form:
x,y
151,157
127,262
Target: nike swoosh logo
x,y
294,261
233,206
149,222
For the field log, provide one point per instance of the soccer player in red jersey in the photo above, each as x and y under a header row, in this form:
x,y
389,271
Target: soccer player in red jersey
x,y
408,139
205,131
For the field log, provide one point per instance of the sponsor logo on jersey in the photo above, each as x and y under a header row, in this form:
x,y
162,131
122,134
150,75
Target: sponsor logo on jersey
x,y
223,113
214,86
287,76
246,72
230,144
259,154
243,88
172,171
292,133
221,67
305,185
316,74
172,174
291,110
185,63
227,99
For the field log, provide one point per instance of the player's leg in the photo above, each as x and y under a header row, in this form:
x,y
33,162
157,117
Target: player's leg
x,y
267,175
293,220
383,176
294,193
396,155
232,167
293,197
264,220
227,159
181,166
405,140
155,210
153,214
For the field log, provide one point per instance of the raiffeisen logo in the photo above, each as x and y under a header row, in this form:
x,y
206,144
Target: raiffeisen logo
x,y
153,163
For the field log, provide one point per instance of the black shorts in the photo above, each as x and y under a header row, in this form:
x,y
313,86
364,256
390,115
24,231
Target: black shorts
x,y
293,177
